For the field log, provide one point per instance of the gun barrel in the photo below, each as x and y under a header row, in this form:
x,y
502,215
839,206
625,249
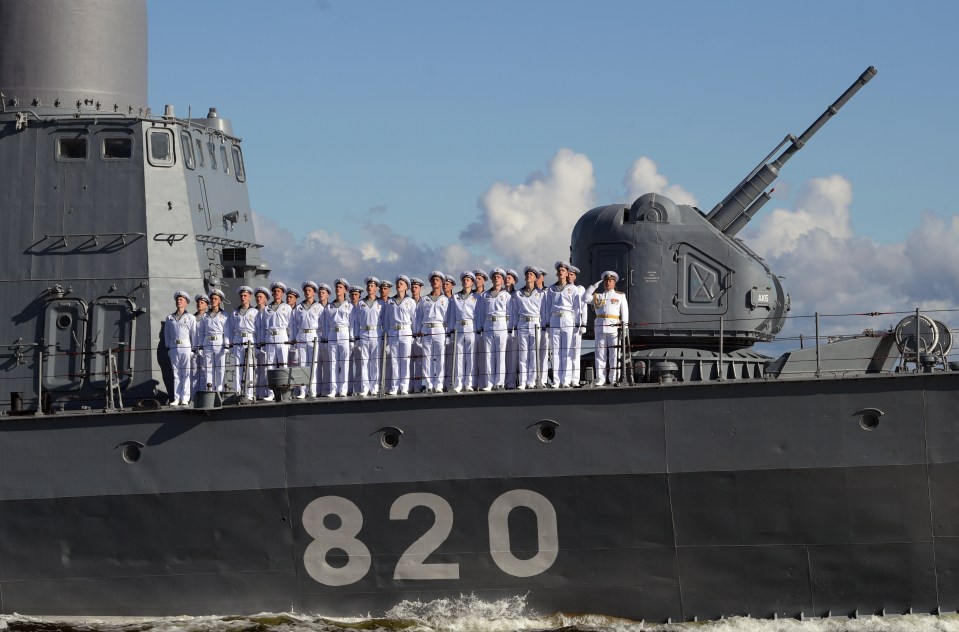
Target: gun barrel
x,y
725,214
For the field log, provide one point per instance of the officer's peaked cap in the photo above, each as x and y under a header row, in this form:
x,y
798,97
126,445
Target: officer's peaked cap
x,y
610,274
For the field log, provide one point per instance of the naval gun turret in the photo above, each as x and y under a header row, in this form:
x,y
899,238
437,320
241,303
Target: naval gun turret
x,y
690,283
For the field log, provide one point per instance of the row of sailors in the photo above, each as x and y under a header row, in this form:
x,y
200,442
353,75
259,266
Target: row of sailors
x,y
474,338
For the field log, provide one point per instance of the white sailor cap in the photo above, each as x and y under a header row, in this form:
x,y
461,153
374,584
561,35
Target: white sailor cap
x,y
244,288
561,264
466,274
180,293
479,272
532,269
262,290
356,288
343,282
312,284
324,286
277,284
610,274
541,271
371,279
416,281
387,283
449,278
292,290
200,297
498,271
437,273
218,292
574,269
403,277
513,273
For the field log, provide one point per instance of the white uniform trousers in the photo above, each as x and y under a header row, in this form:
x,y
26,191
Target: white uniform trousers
x,y
244,361
180,358
448,353
543,356
434,360
562,346
307,356
511,360
577,352
197,372
401,347
527,352
607,358
323,369
464,358
262,363
214,364
339,378
370,352
494,350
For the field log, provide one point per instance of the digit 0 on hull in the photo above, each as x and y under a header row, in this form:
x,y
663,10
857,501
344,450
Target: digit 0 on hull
x,y
720,483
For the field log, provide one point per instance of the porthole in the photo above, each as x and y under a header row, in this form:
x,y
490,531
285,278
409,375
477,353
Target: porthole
x,y
64,321
131,453
71,149
869,418
545,430
389,436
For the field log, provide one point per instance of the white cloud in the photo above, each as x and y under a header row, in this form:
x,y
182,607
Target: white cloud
x,y
530,223
644,177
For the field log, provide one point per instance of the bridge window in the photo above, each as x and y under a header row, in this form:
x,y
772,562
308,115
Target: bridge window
x,y
238,164
160,147
212,149
71,149
117,148
199,152
226,163
186,143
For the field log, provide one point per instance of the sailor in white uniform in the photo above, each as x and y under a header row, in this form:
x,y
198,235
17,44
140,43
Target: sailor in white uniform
x,y
366,331
432,312
612,314
527,305
307,323
323,359
561,306
276,327
241,330
179,335
512,276
339,332
464,328
417,372
386,288
263,391
211,332
493,312
399,321
479,364
580,327
543,333
197,362
292,297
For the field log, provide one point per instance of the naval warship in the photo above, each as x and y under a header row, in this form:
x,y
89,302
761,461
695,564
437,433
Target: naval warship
x,y
713,481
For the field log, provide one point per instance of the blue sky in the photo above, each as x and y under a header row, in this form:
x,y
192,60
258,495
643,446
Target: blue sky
x,y
380,123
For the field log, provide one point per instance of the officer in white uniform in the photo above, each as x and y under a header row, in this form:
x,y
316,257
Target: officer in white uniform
x,y
526,305
306,333
339,331
561,306
241,331
400,317
612,314
493,313
580,328
432,312
464,327
366,331
212,332
179,335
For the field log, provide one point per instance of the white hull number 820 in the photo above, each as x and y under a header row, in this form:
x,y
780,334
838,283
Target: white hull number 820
x,y
412,564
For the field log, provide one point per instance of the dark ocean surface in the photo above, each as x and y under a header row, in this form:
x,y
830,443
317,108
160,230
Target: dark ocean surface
x,y
468,614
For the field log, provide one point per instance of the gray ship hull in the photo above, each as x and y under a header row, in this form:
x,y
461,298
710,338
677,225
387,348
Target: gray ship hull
x,y
684,501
